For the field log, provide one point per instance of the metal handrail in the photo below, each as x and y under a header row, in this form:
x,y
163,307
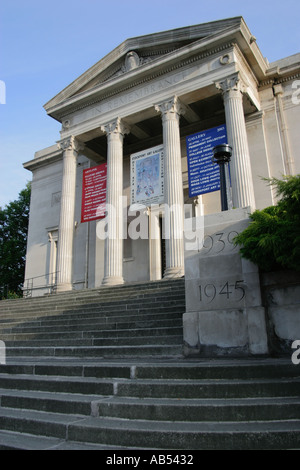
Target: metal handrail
x,y
27,290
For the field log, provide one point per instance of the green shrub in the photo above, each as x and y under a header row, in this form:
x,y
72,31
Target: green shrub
x,y
272,240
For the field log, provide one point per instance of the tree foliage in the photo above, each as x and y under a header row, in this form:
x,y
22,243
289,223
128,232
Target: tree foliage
x,y
13,241
272,240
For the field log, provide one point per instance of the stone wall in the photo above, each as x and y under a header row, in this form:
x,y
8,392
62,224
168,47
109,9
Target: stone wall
x,y
231,308
224,312
281,299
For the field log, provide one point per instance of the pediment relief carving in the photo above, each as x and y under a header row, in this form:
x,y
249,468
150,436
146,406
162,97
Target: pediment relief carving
x,y
131,61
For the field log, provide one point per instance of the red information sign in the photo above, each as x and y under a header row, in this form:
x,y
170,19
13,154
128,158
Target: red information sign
x,y
93,193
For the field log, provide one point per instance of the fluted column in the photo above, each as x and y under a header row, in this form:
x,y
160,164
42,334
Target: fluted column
x,y
113,254
154,243
173,187
70,149
240,166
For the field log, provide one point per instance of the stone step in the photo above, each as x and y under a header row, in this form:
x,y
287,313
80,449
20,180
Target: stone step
x,y
192,435
163,409
146,434
80,369
152,323
86,295
156,388
95,313
64,403
95,307
37,422
174,404
234,388
12,440
109,341
98,318
148,350
173,369
56,336
61,384
132,320
104,370
216,409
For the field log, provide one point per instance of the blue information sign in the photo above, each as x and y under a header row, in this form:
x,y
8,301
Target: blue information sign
x,y
204,176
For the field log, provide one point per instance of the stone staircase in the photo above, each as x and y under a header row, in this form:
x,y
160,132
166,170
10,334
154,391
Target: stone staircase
x,y
103,369
129,320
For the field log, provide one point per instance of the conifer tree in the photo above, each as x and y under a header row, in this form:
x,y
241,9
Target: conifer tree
x,y
272,240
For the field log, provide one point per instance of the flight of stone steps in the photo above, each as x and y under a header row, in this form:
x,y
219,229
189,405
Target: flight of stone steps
x,y
130,320
74,379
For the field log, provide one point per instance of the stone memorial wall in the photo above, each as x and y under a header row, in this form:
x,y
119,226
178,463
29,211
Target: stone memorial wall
x,y
224,313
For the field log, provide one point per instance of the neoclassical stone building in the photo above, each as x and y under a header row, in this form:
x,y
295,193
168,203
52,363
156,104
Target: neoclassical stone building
x,y
153,92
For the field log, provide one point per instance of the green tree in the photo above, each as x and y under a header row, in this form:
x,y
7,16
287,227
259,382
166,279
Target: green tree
x,y
272,240
13,241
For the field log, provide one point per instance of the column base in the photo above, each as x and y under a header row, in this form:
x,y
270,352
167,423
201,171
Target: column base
x,y
174,273
112,281
64,287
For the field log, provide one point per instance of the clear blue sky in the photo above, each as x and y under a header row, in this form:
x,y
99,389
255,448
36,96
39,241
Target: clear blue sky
x,y
45,45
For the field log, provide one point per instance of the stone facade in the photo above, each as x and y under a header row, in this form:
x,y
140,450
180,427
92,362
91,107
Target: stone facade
x,y
281,299
153,90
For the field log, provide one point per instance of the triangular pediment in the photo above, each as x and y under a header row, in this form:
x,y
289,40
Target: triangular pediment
x,y
137,53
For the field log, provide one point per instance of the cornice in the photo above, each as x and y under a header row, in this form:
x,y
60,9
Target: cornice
x,y
282,71
44,160
245,64
272,81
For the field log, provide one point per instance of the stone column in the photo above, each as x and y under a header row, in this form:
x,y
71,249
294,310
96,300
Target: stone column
x,y
199,206
70,149
173,187
113,254
240,166
154,243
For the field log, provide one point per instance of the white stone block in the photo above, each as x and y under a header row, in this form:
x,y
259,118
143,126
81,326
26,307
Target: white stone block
x,y
223,296
223,328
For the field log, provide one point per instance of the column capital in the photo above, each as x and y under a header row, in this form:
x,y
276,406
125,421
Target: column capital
x,y
170,107
70,143
117,126
230,84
